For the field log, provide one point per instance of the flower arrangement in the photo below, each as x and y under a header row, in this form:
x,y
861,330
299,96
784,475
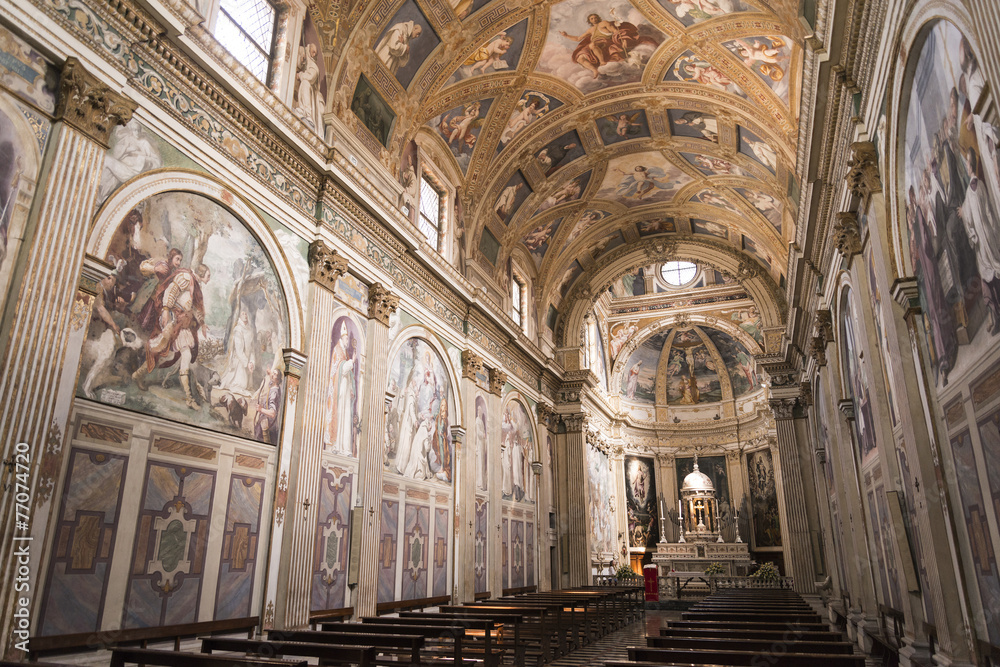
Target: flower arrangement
x,y
624,571
715,568
767,573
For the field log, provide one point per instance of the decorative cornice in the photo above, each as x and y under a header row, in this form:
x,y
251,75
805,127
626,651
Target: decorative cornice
x,y
497,380
88,105
325,265
862,175
472,364
847,234
381,303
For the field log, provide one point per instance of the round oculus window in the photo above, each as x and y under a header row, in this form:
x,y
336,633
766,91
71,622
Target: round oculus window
x,y
678,274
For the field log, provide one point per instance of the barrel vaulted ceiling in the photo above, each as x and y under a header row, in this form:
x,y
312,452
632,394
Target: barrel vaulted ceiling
x,y
678,118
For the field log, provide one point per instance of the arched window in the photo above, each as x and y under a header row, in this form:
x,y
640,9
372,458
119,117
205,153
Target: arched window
x,y
246,29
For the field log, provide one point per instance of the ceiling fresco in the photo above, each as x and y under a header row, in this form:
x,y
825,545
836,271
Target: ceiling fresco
x,y
582,126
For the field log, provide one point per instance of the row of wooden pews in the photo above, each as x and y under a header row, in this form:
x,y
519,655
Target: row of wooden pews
x,y
747,628
530,628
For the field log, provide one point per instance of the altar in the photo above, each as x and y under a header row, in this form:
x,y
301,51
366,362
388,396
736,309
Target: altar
x,y
700,543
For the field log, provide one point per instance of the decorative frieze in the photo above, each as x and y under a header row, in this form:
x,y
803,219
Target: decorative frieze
x,y
862,175
472,365
89,105
847,234
497,380
325,265
381,303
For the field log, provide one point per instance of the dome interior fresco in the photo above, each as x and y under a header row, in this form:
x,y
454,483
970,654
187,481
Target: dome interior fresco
x,y
579,127
686,366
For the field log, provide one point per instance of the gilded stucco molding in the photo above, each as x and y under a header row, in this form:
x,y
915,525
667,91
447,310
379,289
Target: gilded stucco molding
x,y
326,265
847,235
381,303
472,365
497,381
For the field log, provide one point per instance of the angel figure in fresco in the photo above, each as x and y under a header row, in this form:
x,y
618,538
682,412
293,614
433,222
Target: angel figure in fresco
x,y
534,239
625,124
701,10
490,55
394,48
767,56
605,42
712,199
505,202
704,123
693,68
459,127
633,379
718,165
641,181
621,336
529,109
764,152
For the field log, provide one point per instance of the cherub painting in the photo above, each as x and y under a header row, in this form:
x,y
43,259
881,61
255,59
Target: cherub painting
x,y
589,218
623,126
593,45
713,166
500,53
768,57
569,191
642,178
537,240
713,198
693,124
532,106
656,226
460,128
690,12
769,206
691,68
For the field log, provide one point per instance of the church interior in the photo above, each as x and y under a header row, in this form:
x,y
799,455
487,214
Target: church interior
x,y
565,313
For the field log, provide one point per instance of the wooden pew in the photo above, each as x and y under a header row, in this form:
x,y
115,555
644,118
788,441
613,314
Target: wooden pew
x,y
723,632
501,621
538,625
385,626
563,625
731,658
763,646
400,644
141,637
409,605
749,617
144,656
329,616
747,625
472,629
328,654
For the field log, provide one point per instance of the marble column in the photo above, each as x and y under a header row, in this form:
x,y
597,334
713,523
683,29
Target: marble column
x,y
381,304
494,407
465,510
791,497
298,534
35,392
574,520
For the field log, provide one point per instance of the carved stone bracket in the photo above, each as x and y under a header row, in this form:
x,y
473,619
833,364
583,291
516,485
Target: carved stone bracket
x,y
847,234
497,380
824,324
88,105
781,373
822,334
817,350
806,394
295,362
93,272
846,406
325,265
472,364
862,175
576,423
906,293
381,303
783,407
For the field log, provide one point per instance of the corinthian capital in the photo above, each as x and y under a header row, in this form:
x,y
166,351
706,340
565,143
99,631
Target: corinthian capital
x,y
576,423
472,364
325,265
88,105
783,407
847,234
862,175
381,303
497,380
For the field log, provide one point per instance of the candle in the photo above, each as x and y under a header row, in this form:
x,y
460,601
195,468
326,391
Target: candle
x,y
680,509
662,513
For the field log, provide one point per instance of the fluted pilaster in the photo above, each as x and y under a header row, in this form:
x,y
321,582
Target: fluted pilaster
x,y
36,388
381,304
798,547
577,531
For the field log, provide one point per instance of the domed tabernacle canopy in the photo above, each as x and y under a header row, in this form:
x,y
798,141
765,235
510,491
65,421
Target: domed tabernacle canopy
x,y
699,507
697,481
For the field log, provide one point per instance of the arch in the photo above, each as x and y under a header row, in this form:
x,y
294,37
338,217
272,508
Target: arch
x,y
161,181
513,398
432,339
766,295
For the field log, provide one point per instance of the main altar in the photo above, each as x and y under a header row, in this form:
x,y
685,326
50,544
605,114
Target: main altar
x,y
700,542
